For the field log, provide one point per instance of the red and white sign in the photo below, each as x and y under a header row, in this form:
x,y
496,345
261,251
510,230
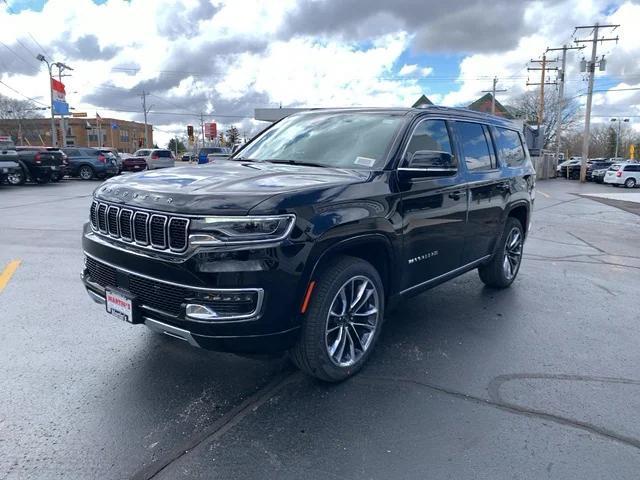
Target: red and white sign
x,y
57,88
211,130
119,306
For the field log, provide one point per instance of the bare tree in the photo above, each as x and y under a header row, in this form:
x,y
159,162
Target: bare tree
x,y
526,108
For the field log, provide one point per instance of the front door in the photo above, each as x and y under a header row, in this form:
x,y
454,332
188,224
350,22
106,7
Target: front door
x,y
433,208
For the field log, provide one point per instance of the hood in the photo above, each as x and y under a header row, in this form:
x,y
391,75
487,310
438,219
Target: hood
x,y
220,188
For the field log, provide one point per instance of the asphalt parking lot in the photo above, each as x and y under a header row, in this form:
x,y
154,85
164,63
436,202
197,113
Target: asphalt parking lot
x,y
538,381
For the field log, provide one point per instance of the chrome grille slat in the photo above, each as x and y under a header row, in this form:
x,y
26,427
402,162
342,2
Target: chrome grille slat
x,y
146,229
112,221
158,231
102,218
141,228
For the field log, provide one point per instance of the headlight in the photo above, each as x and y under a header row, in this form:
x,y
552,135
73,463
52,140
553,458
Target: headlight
x,y
234,230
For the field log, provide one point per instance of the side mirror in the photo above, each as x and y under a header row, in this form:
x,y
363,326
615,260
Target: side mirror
x,y
430,163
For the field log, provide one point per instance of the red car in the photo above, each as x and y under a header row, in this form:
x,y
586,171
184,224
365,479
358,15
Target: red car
x,y
134,164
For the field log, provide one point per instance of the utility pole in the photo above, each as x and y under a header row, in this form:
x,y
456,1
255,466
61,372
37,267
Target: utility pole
x,y
202,127
146,111
63,127
543,70
619,120
591,68
561,79
493,94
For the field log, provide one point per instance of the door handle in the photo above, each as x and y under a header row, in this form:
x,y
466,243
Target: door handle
x,y
457,195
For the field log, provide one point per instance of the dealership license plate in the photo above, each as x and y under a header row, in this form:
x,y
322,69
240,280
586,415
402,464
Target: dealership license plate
x,y
120,305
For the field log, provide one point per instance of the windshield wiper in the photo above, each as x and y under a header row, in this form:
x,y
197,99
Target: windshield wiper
x,y
295,162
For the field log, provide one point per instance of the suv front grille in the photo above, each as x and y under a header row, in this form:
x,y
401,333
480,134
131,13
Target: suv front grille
x,y
159,232
166,297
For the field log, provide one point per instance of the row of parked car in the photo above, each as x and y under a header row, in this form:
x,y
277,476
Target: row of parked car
x,y
614,171
41,164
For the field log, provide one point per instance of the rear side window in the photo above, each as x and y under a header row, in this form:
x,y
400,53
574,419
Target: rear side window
x,y
72,152
632,168
476,147
509,146
90,152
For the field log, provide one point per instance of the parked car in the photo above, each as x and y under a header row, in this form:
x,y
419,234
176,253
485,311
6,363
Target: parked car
x,y
212,157
598,175
60,155
597,164
9,166
134,164
567,168
115,154
88,163
188,157
301,242
627,174
39,164
156,157
204,152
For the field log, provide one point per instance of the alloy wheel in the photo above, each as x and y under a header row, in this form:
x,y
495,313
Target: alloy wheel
x,y
512,253
352,321
630,183
86,173
15,178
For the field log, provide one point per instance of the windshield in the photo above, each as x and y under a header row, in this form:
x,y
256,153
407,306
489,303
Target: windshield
x,y
343,140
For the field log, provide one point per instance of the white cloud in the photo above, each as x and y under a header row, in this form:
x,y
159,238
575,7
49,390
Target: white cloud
x,y
408,69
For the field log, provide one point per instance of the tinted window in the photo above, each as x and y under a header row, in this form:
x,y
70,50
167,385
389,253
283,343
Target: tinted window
x,y
632,168
509,146
72,152
163,153
429,135
90,152
474,145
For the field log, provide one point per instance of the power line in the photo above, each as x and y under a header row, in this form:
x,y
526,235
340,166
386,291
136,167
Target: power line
x,y
22,94
14,52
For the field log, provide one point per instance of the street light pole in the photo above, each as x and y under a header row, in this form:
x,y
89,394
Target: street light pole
x,y
619,120
54,139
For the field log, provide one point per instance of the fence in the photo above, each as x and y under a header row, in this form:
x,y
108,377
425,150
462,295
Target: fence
x,y
545,165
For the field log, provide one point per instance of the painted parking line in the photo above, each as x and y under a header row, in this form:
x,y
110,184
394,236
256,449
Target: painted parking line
x,y
8,272
545,195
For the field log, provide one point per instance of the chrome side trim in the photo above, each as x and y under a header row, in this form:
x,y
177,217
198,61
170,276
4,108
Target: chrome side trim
x,y
468,266
170,330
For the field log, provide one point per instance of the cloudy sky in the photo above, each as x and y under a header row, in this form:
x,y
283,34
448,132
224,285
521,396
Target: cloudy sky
x,y
227,57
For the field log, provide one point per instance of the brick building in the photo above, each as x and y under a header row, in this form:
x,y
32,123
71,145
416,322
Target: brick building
x,y
124,135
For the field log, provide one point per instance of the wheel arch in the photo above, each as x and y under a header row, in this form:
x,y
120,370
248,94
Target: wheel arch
x,y
375,248
521,212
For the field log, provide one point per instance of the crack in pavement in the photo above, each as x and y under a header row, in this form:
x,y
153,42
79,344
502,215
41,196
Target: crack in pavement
x,y
220,426
495,400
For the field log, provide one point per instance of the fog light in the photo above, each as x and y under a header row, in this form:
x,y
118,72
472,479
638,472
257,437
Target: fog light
x,y
200,312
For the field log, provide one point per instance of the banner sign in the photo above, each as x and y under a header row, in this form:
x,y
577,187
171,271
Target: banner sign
x,y
57,89
60,107
211,130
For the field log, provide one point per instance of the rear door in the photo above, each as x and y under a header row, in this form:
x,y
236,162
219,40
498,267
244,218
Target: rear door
x,y
433,209
487,186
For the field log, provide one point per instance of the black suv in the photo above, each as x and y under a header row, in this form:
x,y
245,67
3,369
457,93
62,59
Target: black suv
x,y
304,237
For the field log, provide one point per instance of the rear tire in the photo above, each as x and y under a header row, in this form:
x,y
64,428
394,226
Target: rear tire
x,y
503,268
85,172
343,321
630,182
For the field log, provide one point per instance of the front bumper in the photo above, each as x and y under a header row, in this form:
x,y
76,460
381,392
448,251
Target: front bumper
x,y
272,327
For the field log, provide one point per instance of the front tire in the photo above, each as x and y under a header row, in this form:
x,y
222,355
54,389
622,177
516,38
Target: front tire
x,y
343,321
16,178
503,268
